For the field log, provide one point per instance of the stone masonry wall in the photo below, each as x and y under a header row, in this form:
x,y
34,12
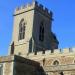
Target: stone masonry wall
x,y
8,68
7,65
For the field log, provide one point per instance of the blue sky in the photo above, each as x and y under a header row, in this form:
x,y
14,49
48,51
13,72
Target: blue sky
x,y
63,24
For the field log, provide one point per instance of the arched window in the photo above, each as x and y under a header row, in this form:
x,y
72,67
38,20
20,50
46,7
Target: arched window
x,y
41,32
55,62
22,30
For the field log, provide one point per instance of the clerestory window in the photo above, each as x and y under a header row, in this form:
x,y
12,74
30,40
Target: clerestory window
x,y
41,32
22,30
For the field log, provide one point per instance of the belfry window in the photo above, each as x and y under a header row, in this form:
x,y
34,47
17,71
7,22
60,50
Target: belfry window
x,y
41,32
22,30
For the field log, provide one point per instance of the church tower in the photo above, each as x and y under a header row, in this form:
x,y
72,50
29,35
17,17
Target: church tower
x,y
32,30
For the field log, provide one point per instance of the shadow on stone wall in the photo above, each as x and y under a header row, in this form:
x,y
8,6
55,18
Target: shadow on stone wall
x,y
23,66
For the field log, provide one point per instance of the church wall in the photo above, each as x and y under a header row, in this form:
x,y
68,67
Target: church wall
x,y
64,57
28,18
52,62
22,46
64,73
38,19
33,14
67,69
23,69
24,66
7,65
17,65
8,68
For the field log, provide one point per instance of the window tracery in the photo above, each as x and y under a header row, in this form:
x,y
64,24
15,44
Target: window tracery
x,y
22,30
41,32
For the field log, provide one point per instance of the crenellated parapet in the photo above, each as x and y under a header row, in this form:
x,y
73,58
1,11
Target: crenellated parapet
x,y
55,52
33,6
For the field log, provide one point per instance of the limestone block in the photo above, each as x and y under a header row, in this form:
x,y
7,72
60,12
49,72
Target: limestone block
x,y
39,53
57,51
48,52
73,49
66,50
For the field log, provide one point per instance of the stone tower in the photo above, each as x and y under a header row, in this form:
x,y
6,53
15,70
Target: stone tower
x,y
32,30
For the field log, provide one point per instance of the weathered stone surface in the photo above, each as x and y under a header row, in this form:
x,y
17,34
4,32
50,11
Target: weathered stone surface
x,y
44,53
23,66
20,66
8,68
6,58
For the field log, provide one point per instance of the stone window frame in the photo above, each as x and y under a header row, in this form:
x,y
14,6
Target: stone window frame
x,y
22,28
41,31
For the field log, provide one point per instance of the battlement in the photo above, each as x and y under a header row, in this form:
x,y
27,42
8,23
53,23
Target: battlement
x,y
56,51
32,6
